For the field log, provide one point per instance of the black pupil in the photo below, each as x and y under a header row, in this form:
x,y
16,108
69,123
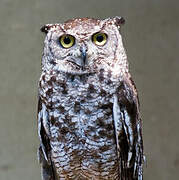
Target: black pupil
x,y
67,40
99,38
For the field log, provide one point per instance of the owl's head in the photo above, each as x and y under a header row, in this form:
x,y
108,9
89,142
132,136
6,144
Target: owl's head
x,y
84,45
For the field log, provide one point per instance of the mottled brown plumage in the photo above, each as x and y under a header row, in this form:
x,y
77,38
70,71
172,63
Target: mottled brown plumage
x,y
88,112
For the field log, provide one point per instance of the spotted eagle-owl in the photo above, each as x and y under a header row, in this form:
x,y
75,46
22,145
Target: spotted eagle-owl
x,y
88,111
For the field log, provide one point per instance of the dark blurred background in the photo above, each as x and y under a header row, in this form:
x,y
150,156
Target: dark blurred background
x,y
151,37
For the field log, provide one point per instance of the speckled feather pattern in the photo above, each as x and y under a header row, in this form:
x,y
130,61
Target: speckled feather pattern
x,y
88,119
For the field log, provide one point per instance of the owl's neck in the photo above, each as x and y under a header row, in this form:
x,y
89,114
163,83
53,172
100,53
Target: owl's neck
x,y
103,76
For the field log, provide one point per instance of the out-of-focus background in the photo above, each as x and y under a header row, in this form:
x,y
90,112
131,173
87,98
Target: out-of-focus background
x,y
151,37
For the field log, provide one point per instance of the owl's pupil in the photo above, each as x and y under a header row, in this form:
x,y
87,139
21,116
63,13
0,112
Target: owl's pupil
x,y
67,40
99,38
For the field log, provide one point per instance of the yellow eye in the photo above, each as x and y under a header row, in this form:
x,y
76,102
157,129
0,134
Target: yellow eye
x,y
99,39
67,41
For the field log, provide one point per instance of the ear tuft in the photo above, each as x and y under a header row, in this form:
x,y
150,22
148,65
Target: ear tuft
x,y
119,21
46,28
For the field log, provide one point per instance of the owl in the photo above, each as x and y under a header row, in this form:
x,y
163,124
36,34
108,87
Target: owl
x,y
89,122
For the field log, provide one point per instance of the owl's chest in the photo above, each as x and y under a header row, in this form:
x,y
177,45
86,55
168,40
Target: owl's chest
x,y
84,104
80,107
81,123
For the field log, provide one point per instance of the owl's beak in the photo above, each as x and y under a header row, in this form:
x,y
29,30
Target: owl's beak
x,y
81,58
83,50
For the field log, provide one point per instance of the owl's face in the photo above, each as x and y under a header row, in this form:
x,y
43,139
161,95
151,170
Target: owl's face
x,y
81,46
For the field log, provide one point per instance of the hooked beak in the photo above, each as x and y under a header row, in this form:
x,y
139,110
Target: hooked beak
x,y
83,50
80,59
